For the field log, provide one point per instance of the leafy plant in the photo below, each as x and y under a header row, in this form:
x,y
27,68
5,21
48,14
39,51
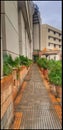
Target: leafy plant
x,y
42,62
7,69
17,62
54,70
9,63
25,61
55,74
8,59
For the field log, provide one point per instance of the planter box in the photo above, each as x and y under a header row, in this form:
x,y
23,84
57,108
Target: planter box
x,y
7,108
18,82
41,70
45,73
10,86
53,89
59,91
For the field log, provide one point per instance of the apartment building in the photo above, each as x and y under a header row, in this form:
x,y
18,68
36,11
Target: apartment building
x,y
51,39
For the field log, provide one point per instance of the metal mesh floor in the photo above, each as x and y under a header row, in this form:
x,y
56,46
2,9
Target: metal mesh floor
x,y
38,111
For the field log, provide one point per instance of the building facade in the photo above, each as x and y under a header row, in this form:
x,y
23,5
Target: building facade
x,y
17,26
25,19
51,39
10,32
20,28
16,29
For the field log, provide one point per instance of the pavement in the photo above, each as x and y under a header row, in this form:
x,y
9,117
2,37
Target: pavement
x,y
35,105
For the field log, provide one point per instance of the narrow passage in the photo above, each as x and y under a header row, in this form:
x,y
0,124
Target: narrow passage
x,y
38,111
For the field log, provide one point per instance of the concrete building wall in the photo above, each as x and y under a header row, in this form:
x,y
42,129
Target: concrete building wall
x,y
2,35
23,35
36,36
44,36
25,28
27,46
41,35
11,35
15,24
1,53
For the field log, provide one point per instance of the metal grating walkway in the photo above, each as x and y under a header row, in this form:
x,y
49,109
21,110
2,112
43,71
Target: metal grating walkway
x,y
38,111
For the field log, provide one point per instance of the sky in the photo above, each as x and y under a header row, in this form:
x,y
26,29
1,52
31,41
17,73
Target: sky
x,y
51,12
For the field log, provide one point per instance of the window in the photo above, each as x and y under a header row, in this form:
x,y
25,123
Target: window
x,y
59,34
59,46
54,32
48,30
48,44
54,39
54,45
48,37
59,40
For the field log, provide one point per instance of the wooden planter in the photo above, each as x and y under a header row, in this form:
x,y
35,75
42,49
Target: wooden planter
x,y
59,91
16,81
7,108
53,89
45,73
41,70
6,81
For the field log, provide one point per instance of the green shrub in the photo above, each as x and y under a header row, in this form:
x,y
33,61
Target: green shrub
x,y
51,63
7,69
42,62
55,74
54,70
9,63
17,62
25,61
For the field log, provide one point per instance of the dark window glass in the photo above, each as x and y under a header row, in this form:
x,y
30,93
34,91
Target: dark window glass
x,y
59,46
54,32
54,45
48,37
54,38
48,30
48,44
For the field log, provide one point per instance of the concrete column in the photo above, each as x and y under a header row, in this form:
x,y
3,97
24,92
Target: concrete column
x,y
40,36
3,39
10,28
1,59
20,32
36,36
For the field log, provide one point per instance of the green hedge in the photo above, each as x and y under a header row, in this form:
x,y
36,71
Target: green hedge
x,y
42,62
9,63
55,73
54,70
